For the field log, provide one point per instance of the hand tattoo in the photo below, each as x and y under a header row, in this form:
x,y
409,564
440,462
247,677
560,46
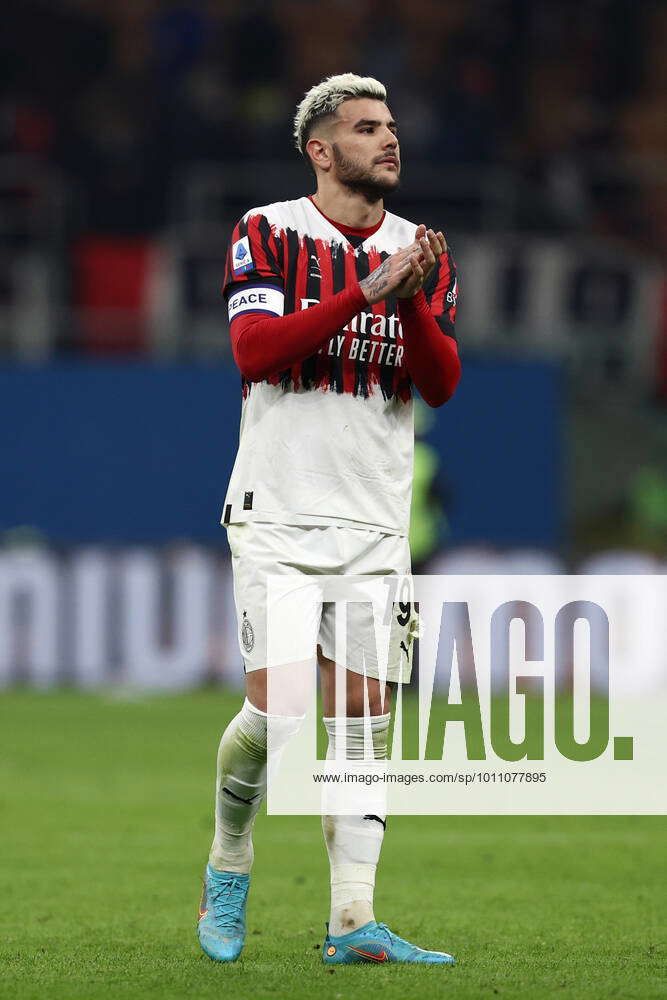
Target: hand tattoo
x,y
377,280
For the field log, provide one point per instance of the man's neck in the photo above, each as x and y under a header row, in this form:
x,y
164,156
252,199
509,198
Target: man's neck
x,y
348,208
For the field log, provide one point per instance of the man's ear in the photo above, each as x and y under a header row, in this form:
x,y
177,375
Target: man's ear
x,y
319,153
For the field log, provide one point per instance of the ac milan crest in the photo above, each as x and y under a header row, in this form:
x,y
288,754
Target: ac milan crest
x,y
247,634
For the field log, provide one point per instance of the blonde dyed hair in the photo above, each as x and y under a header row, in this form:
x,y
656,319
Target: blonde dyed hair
x,y
324,98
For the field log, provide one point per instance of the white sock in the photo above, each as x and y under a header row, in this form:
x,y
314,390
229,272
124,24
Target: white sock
x,y
354,842
241,784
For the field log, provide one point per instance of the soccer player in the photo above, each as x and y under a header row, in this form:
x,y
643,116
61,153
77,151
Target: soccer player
x,y
337,308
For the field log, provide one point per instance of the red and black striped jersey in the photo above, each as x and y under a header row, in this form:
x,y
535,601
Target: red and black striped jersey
x,y
329,439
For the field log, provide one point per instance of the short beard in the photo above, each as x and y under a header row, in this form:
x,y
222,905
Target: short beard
x,y
361,181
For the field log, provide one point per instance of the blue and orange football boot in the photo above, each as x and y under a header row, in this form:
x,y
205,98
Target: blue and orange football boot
x,y
375,944
221,926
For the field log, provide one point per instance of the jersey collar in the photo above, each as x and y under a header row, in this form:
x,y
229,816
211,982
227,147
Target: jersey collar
x,y
349,230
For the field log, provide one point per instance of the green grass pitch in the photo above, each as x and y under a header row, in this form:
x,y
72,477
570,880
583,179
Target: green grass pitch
x,y
106,818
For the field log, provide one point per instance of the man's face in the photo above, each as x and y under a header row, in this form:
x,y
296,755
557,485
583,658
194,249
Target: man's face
x,y
365,147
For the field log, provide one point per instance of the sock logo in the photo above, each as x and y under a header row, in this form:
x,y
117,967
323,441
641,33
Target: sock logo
x,y
239,798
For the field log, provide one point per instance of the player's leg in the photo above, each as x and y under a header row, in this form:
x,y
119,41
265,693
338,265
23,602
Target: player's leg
x,y
240,790
240,780
240,783
242,753
353,842
242,766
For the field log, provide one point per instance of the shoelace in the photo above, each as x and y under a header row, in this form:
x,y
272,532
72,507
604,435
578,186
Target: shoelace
x,y
227,901
393,938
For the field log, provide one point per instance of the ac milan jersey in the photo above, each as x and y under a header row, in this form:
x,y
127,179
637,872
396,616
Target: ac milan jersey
x,y
329,440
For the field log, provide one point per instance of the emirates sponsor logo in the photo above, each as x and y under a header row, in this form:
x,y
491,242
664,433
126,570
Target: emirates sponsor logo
x,y
368,324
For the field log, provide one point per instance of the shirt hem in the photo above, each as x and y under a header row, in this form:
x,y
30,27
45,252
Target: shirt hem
x,y
310,519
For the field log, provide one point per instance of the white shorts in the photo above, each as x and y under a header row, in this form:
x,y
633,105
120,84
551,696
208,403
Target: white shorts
x,y
261,548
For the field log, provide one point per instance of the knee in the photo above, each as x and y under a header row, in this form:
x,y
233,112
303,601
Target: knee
x,y
255,686
379,699
288,689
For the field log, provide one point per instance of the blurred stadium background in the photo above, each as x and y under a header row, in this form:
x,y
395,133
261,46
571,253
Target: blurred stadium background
x,y
133,134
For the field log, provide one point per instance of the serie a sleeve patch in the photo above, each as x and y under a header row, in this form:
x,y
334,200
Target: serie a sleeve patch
x,y
257,298
241,257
